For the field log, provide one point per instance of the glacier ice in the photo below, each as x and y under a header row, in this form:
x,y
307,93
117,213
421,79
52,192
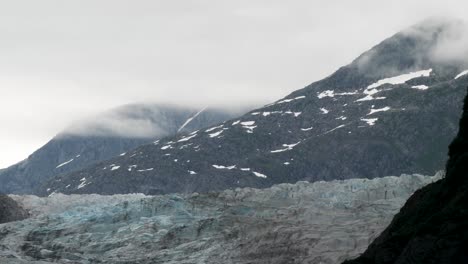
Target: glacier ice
x,y
321,222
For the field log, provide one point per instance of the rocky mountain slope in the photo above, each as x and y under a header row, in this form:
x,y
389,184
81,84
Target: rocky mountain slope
x,y
391,111
103,137
432,227
322,222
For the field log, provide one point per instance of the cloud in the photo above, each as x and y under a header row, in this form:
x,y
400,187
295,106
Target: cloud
x,y
452,44
131,121
145,120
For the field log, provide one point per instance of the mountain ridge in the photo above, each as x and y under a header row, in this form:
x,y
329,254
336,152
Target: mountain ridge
x,y
105,136
348,125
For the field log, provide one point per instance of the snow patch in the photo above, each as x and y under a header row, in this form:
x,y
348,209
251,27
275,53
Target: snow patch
x,y
461,74
324,111
331,93
369,98
338,127
114,167
370,121
249,125
166,147
287,147
190,119
186,138
221,167
373,111
260,175
290,100
65,163
401,78
216,134
213,128
420,87
82,184
150,169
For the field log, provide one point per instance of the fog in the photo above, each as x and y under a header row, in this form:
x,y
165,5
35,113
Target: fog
x,y
65,60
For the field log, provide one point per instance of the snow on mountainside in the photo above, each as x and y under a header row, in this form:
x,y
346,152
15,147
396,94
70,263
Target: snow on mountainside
x,y
322,222
391,111
105,136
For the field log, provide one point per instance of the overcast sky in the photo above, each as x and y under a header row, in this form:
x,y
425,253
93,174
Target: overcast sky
x,y
63,60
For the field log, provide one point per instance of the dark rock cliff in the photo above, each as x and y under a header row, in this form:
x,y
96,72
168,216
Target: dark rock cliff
x,y
10,210
433,225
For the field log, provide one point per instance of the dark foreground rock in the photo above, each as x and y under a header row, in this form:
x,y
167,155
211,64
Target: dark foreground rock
x,y
433,225
10,210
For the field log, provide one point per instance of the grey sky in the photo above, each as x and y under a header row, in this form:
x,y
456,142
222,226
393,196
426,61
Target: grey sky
x,y
63,60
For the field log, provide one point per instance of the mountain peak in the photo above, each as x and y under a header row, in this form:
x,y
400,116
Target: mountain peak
x,y
431,43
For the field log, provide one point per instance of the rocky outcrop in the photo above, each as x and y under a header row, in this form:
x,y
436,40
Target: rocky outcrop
x,y
10,210
432,227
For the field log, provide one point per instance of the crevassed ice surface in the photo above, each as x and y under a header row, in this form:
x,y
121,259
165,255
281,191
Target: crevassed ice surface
x,y
321,222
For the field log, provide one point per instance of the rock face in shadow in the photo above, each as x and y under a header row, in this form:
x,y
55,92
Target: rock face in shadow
x,y
432,227
10,210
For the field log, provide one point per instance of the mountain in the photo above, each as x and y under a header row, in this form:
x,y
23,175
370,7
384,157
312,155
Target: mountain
x,y
432,227
321,223
105,136
391,111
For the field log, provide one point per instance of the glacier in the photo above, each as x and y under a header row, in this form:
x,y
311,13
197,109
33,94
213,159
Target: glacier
x,y
321,222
